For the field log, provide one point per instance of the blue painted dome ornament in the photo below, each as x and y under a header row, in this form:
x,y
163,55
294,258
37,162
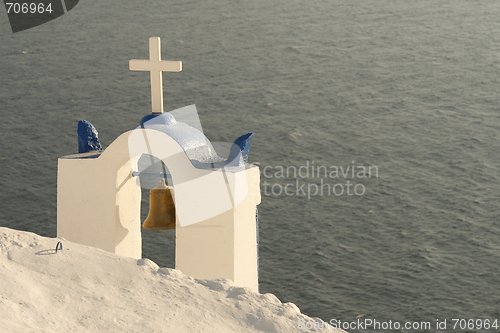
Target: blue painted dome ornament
x,y
88,138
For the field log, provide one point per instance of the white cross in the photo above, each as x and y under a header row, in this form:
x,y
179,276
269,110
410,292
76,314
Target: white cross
x,y
156,67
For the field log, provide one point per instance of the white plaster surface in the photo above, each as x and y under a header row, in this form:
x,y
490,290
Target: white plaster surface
x,y
99,205
84,289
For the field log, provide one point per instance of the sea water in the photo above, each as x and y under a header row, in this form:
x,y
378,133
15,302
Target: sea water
x,y
409,87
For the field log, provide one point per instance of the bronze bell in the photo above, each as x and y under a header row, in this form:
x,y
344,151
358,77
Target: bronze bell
x,y
161,214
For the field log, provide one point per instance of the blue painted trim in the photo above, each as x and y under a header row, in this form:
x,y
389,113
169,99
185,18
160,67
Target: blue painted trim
x,y
244,142
88,138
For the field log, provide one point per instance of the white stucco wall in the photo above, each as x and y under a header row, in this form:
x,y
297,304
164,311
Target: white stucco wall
x,y
99,205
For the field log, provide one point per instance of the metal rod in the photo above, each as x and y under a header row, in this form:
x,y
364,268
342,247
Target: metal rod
x,y
163,174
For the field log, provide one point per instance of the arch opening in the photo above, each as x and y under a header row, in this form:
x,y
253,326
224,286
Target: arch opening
x,y
158,246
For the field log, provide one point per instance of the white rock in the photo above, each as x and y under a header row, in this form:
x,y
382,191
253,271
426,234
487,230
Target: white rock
x,y
148,263
89,290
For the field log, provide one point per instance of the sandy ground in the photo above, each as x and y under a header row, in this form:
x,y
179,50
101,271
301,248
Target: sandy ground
x,y
83,289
